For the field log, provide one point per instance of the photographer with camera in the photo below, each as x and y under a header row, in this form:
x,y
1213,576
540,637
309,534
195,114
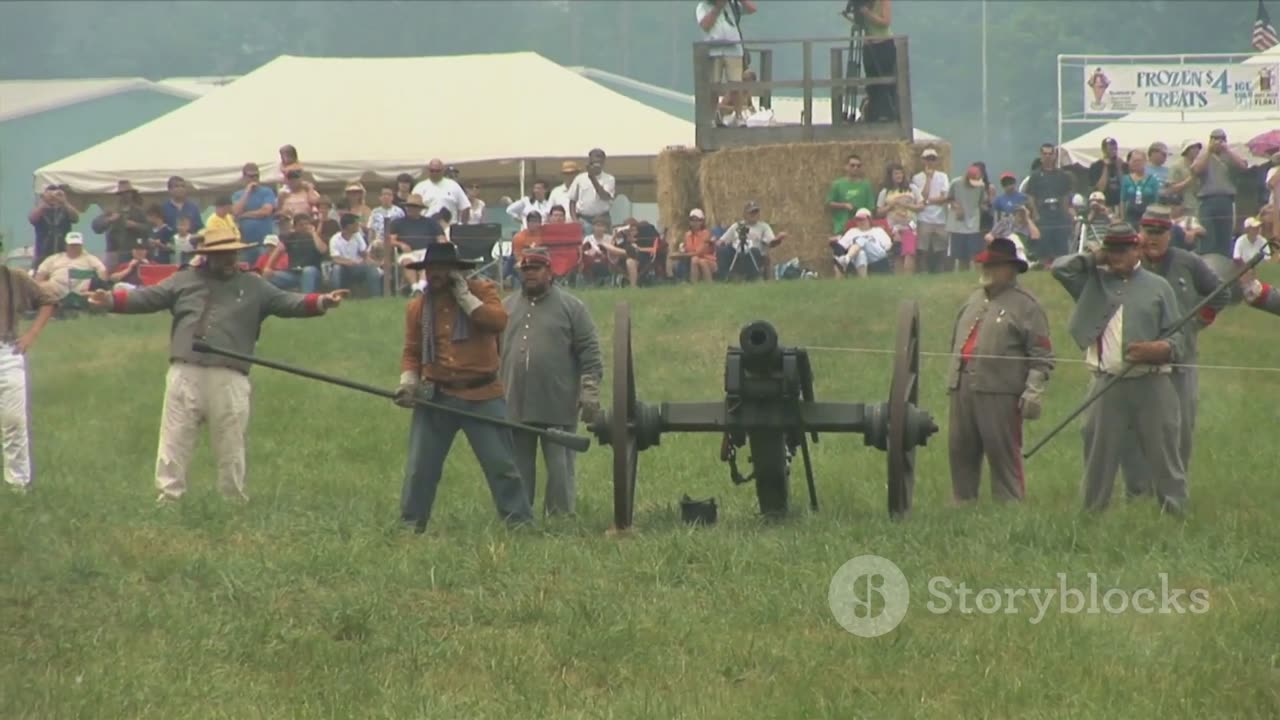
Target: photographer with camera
x,y
51,218
879,55
1217,193
719,21
742,250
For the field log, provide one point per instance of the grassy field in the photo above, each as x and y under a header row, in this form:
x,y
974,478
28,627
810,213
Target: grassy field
x,y
312,602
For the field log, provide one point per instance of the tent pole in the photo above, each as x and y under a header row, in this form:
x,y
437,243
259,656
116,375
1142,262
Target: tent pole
x,y
522,192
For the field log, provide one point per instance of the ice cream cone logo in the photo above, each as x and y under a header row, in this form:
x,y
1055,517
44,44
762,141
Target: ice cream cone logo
x,y
1098,83
1266,79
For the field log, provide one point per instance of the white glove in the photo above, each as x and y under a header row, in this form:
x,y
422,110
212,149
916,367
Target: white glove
x,y
462,292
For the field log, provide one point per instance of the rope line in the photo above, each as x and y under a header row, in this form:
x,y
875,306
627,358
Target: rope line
x,y
881,351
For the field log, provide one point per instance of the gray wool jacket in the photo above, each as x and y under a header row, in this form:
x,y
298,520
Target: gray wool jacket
x,y
227,312
1192,280
1151,307
1010,325
550,350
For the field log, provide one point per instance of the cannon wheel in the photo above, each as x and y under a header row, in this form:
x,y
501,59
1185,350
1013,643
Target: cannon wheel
x,y
904,394
623,420
769,463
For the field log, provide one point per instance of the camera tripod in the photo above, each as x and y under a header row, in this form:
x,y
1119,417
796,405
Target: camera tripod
x,y
739,251
852,66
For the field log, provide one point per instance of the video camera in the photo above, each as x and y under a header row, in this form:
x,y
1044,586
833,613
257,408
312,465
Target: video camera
x,y
853,10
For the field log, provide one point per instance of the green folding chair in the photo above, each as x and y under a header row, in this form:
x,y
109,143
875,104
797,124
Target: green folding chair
x,y
73,299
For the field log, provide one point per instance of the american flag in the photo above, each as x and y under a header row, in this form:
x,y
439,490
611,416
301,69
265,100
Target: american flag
x,y
1264,34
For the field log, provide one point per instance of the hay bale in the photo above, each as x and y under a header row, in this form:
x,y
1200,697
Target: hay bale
x,y
791,182
677,185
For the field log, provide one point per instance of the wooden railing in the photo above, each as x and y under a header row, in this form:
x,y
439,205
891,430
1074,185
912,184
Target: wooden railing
x,y
846,81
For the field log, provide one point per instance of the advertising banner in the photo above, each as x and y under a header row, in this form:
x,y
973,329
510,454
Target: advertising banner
x,y
1175,88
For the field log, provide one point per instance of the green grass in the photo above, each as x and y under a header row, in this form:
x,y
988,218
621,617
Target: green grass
x,y
311,602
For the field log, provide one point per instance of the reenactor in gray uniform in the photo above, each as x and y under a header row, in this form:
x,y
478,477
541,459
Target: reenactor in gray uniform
x,y
1001,360
1122,311
1192,280
226,307
551,369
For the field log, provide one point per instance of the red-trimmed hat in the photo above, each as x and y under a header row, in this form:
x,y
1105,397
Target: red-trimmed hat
x,y
1120,233
1156,217
1001,251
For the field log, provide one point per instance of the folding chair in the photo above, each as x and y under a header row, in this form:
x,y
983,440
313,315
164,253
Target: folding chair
x,y
476,243
563,242
155,274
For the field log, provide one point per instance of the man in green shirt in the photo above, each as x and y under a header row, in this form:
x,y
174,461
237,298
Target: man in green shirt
x,y
849,194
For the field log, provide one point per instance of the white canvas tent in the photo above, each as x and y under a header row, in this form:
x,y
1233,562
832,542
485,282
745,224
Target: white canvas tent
x,y
1136,131
516,107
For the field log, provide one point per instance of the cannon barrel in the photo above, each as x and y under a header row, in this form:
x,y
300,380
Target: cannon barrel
x,y
760,351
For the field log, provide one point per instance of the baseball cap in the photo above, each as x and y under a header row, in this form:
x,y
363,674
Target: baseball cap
x,y
1158,146
1188,144
75,238
1098,196
1008,176
355,186
975,176
863,213
568,166
697,213
271,240
929,153
1252,222
1218,133
752,206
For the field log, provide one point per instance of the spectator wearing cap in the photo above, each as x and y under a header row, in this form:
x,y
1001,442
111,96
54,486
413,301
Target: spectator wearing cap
x,y
297,196
1157,156
551,370
129,274
179,205
1097,220
698,249
350,255
1009,197
356,205
1138,189
1049,190
1192,280
1251,242
863,248
743,249
438,191
124,225
51,219
253,207
848,194
1001,360
931,224
964,216
57,267
592,192
1106,171
536,201
898,203
559,195
412,234
1217,192
1125,314
1017,226
1182,181
222,217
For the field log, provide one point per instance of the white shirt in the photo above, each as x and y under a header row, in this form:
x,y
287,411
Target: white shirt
x,y
521,208
477,213
873,241
584,194
939,184
1245,248
1112,360
353,249
558,196
724,32
445,194
758,236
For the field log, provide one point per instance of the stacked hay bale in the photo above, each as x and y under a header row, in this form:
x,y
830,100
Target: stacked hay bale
x,y
789,181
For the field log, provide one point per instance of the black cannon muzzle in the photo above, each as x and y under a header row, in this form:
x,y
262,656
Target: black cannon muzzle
x,y
760,351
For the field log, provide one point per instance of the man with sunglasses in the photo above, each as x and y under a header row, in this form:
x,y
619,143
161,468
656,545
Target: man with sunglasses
x,y
848,195
254,209
1192,280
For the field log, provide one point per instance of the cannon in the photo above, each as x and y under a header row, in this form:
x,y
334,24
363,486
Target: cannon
x,y
768,406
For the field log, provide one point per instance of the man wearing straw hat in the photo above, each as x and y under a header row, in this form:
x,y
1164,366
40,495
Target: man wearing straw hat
x,y
218,303
1001,361
451,358
551,369
1192,280
1125,314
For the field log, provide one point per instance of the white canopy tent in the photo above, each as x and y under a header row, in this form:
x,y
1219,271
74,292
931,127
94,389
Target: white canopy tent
x,y
1136,131
519,108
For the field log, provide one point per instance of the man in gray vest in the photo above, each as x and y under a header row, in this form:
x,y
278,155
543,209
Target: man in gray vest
x,y
551,369
1192,280
1126,314
1001,361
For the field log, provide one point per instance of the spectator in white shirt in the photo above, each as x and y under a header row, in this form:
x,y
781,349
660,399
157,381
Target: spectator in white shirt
x,y
476,216
57,267
349,254
863,248
742,250
718,21
438,192
592,193
559,195
381,217
932,186
537,201
1251,242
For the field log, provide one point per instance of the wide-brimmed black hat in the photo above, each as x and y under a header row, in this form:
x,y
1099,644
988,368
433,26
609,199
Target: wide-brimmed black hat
x,y
445,253
1003,251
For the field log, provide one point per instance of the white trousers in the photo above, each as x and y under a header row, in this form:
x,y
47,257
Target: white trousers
x,y
195,395
15,434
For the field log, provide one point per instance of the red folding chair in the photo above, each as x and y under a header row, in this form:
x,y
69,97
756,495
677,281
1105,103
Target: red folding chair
x,y
155,274
563,242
